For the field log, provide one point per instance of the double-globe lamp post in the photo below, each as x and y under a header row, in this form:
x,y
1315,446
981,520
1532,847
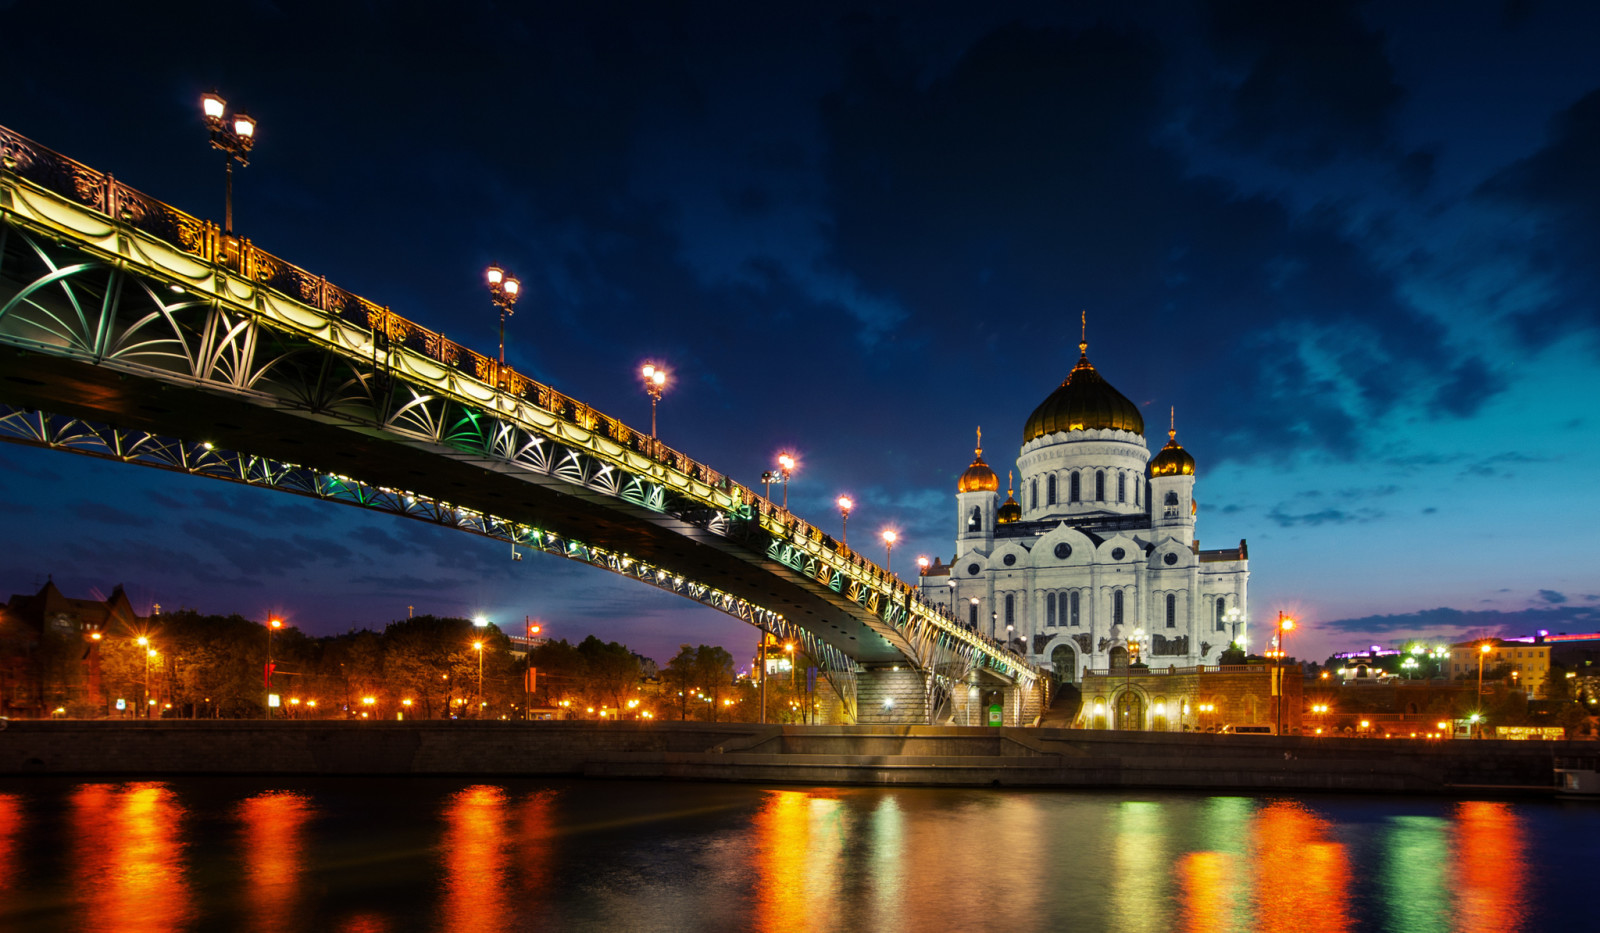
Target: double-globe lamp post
x,y
785,468
234,137
504,290
655,380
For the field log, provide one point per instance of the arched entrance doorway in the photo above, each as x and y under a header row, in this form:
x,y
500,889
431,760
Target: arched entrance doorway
x,y
1130,711
1064,662
1119,658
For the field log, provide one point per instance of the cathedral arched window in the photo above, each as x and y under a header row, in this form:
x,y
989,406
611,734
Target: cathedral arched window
x,y
1077,490
1122,487
1171,502
1050,489
1136,487
1099,485
1011,617
1116,608
1050,610
1172,610
1072,609
1222,614
1033,492
972,614
975,520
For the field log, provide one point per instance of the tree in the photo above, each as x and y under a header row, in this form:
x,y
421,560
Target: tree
x,y
713,675
611,672
679,678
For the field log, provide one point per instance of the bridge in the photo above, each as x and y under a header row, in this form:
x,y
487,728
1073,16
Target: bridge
x,y
132,331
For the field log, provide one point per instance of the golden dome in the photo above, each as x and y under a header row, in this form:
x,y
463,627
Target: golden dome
x,y
1083,402
1173,460
978,477
1010,511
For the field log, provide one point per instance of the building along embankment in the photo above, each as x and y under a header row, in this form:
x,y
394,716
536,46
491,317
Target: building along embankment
x,y
925,755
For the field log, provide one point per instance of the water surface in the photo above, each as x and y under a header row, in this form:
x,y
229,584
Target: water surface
x,y
393,854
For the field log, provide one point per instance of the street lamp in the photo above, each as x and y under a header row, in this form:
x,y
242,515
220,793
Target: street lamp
x,y
234,138
655,379
922,566
478,647
1232,619
889,538
1285,626
845,505
504,290
273,623
149,652
785,467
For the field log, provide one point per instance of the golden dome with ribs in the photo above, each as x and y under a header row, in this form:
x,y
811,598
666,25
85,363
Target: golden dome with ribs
x,y
1083,402
1010,511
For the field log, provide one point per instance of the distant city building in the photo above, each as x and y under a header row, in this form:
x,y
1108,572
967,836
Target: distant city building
x,y
1095,544
50,649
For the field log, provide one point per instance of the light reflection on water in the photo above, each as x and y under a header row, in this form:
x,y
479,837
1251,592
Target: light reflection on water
x,y
505,856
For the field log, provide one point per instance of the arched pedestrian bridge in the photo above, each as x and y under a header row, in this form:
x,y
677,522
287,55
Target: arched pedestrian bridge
x,y
132,331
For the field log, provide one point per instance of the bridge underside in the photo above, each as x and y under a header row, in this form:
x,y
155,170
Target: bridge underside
x,y
81,390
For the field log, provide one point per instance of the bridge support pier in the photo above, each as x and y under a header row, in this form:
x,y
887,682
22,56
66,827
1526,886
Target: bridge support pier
x,y
891,696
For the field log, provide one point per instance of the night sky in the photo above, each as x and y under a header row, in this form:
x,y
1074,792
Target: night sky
x,y
1353,244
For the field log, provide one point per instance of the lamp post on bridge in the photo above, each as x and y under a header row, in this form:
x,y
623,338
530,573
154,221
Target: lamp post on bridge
x,y
504,290
785,468
889,538
234,140
655,380
845,505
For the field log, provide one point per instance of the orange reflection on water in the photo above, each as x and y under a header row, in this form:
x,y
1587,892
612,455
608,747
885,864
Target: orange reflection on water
x,y
794,881
1491,870
535,845
1302,876
10,828
273,847
475,863
1207,880
128,853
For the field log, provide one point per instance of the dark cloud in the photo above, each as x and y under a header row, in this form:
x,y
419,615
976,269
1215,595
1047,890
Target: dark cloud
x,y
1287,519
1552,596
102,513
1463,623
1318,84
1560,184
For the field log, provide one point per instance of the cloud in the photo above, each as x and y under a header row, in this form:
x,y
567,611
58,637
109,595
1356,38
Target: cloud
x,y
1286,519
107,514
1461,623
1552,596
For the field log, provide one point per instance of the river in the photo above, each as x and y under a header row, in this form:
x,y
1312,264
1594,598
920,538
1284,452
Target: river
x,y
391,854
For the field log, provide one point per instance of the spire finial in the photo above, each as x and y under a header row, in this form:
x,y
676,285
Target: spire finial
x,y
1172,424
1083,337
1011,482
979,452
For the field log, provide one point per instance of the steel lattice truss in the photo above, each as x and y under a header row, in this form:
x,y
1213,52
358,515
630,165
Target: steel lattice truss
x,y
157,298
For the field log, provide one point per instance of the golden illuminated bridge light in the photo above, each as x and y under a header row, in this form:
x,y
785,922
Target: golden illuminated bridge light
x,y
317,391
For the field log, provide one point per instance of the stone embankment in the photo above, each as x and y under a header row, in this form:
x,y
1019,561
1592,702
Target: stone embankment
x,y
927,755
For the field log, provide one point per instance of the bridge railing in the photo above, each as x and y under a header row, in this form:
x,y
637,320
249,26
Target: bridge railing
x,y
26,159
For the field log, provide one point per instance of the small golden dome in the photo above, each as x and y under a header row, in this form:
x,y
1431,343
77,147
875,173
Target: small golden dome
x,y
1083,402
978,477
1173,460
1010,511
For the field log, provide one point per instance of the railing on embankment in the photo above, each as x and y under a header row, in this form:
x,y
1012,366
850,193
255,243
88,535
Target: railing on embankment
x,y
928,755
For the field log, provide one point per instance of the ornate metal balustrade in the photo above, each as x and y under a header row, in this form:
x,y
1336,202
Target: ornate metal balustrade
x,y
98,272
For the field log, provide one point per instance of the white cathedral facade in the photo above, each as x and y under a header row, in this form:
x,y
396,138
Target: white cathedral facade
x,y
1091,561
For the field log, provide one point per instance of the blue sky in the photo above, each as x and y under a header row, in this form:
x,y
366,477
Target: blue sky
x,y
1351,243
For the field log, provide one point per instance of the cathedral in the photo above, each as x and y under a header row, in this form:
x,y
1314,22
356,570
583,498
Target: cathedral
x,y
1096,565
